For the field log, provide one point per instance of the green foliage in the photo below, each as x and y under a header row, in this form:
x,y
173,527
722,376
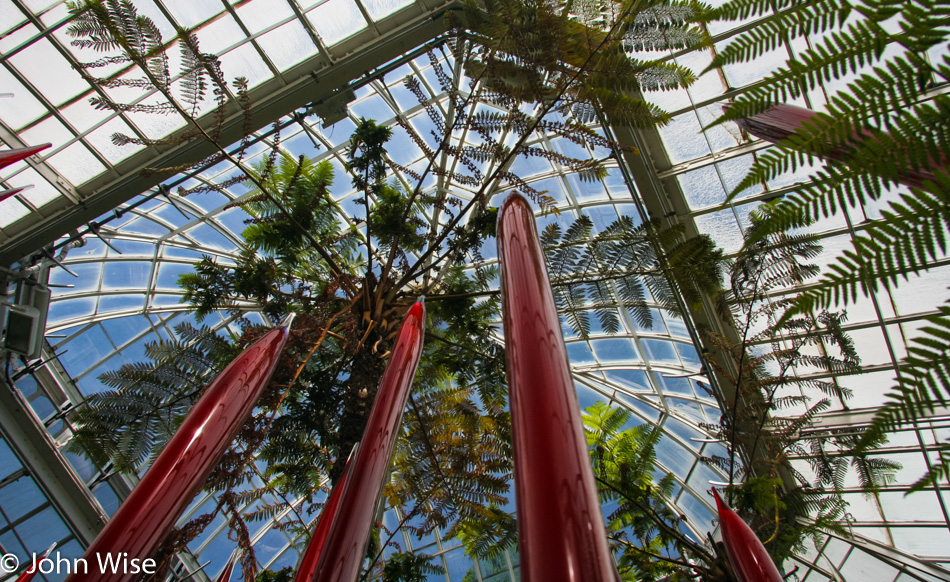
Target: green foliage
x,y
114,26
647,536
365,154
409,568
303,189
282,575
779,373
277,269
925,384
389,223
883,128
148,400
626,266
486,537
533,51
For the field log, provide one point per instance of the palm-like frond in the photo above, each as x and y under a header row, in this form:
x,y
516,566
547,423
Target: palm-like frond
x,y
127,425
884,128
621,267
924,386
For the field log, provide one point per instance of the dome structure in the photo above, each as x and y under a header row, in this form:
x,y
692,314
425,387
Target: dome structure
x,y
114,242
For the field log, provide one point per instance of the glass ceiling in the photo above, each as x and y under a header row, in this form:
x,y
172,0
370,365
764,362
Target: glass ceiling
x,y
125,293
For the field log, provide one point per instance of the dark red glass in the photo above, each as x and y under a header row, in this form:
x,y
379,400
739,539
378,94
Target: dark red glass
x,y
11,192
168,486
345,546
225,575
318,539
782,121
31,572
8,157
560,526
749,558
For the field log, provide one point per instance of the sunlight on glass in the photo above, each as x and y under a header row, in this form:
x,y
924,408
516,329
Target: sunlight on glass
x,y
336,20
288,45
47,70
379,9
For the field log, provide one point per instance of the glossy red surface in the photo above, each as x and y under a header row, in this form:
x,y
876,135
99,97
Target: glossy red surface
x,y
11,192
747,555
560,526
8,157
225,575
318,539
346,544
30,573
169,485
781,121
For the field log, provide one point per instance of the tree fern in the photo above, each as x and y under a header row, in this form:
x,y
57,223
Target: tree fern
x,y
646,535
149,399
620,267
883,129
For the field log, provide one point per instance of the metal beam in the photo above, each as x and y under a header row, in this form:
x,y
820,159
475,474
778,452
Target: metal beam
x,y
893,555
29,440
311,81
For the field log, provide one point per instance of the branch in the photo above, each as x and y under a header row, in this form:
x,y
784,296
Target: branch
x,y
140,61
508,159
660,522
657,556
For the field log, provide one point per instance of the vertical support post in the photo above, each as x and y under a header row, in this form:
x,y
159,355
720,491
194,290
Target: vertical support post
x,y
168,486
346,545
560,525
749,558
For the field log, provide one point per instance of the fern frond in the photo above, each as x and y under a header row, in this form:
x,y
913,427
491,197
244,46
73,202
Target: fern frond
x,y
924,381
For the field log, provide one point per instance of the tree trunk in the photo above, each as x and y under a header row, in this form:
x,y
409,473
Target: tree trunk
x,y
366,369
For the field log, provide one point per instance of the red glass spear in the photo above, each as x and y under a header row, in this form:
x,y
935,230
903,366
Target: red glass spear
x,y
561,529
225,575
318,540
346,543
749,558
169,485
8,157
11,192
781,121
31,572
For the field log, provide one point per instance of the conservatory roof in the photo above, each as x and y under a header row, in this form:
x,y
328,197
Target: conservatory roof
x,y
302,60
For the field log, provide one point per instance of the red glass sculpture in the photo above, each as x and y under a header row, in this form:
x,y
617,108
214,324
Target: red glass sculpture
x,y
225,575
168,486
31,572
749,558
782,121
11,192
318,540
561,529
346,544
8,157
